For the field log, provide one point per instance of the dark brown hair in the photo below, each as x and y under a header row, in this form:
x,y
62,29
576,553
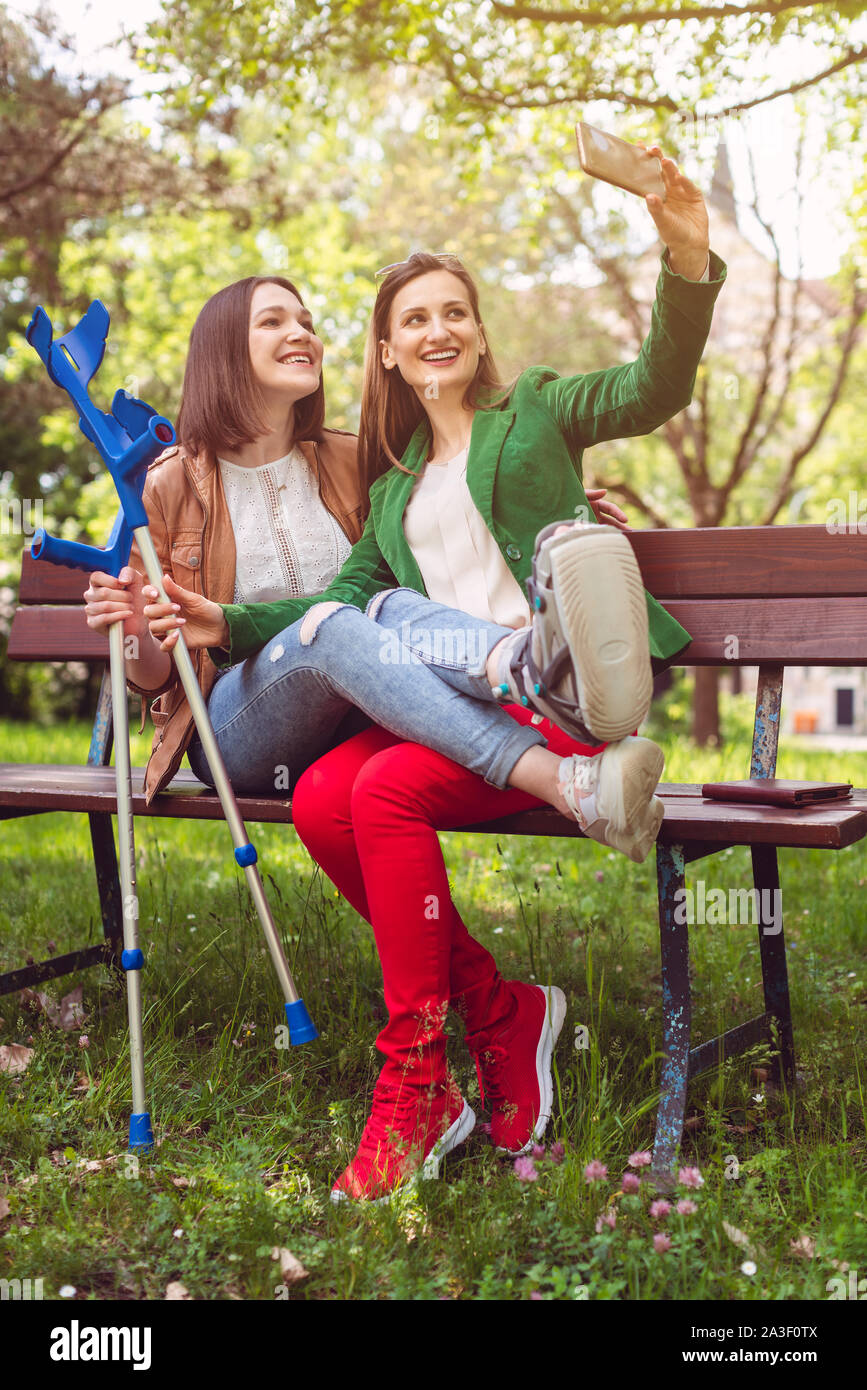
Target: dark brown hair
x,y
390,409
222,406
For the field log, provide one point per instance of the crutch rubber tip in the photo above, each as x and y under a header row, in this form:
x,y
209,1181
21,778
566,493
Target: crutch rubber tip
x,y
246,854
132,960
141,1136
301,1026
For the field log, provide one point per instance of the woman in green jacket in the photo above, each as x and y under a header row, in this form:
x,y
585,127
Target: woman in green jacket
x,y
476,472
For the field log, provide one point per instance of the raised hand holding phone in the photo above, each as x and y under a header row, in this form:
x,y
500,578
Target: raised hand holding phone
x,y
673,201
681,220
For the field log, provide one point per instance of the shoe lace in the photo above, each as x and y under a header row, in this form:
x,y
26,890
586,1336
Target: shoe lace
x,y
394,1120
490,1061
579,776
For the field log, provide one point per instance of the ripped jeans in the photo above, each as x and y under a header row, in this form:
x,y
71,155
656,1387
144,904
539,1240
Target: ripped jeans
x,y
410,665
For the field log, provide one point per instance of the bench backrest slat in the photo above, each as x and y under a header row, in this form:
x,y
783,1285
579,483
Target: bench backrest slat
x,y
716,582
54,634
42,582
753,562
787,632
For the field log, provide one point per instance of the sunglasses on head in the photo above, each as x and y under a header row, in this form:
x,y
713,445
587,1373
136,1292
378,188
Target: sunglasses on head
x,y
395,265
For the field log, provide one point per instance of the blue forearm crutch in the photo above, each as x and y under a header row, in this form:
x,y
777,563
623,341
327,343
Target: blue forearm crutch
x,y
128,440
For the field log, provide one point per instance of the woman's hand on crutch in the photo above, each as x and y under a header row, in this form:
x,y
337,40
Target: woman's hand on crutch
x,y
201,621
111,599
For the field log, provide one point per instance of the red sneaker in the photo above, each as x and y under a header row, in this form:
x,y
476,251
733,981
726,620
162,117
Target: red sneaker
x,y
514,1066
407,1136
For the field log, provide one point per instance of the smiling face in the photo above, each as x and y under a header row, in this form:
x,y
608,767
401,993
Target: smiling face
x,y
285,353
433,335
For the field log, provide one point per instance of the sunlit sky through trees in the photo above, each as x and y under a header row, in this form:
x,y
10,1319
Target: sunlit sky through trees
x,y
769,128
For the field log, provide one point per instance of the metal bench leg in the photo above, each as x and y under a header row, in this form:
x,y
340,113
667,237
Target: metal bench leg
x,y
677,1009
772,944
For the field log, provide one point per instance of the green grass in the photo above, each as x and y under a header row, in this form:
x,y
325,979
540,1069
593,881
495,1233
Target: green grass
x,y
252,1136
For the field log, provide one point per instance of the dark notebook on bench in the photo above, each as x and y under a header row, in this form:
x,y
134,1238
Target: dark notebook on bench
x,y
774,791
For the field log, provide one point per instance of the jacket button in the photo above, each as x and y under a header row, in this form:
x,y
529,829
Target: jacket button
x,y
513,552
194,560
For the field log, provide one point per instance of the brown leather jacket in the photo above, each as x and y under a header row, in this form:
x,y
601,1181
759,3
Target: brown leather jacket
x,y
192,531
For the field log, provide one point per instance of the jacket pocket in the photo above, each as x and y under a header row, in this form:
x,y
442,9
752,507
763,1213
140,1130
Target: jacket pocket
x,y
185,558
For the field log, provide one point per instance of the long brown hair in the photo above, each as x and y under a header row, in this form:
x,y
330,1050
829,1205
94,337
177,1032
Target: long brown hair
x,y
222,406
390,409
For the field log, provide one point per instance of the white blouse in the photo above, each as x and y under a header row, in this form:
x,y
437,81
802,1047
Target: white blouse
x,y
287,543
460,562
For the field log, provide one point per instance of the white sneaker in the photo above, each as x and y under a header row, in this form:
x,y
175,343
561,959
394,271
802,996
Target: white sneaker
x,y
588,594
612,797
590,645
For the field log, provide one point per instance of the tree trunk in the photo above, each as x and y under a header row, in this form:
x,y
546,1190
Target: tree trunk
x,y
705,706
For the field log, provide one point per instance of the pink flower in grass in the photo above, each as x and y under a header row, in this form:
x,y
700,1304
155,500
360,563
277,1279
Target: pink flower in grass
x,y
84,1040
558,1152
536,1297
525,1170
641,1159
630,1182
690,1177
661,1242
608,1218
595,1171
686,1207
659,1210
538,1151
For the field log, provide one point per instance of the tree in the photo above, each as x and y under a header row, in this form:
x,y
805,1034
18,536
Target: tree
x,y
503,55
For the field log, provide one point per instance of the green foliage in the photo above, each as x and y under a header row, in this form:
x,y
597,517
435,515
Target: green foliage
x,y
493,57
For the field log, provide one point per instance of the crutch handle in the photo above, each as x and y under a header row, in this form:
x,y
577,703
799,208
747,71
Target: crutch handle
x,y
78,556
128,439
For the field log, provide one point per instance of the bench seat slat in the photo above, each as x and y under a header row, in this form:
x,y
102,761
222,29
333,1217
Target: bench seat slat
x,y
70,787
689,817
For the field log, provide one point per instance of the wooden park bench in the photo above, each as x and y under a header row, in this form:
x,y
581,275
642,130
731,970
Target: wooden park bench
x,y
788,595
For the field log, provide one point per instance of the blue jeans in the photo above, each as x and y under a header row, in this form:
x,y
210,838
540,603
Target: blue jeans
x,y
413,666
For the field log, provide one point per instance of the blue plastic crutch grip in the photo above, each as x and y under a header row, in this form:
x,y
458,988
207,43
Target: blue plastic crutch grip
x,y
77,555
141,1135
301,1026
128,439
246,854
132,960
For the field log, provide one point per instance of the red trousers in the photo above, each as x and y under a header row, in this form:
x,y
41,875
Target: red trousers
x,y
369,812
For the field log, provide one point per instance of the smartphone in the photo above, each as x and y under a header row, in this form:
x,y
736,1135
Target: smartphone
x,y
608,157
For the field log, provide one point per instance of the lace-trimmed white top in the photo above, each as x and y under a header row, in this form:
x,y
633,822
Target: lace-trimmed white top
x,y
287,543
460,562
